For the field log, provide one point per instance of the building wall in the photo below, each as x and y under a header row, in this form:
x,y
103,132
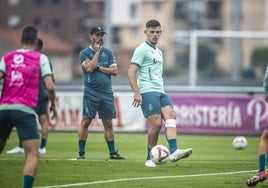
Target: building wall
x,y
71,20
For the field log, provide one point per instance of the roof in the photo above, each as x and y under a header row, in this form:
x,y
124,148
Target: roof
x,y
52,44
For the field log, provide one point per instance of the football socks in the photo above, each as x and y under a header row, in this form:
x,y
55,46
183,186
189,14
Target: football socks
x,y
172,143
262,162
111,146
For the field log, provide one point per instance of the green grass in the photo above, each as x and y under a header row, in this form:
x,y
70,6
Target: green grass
x,y
209,166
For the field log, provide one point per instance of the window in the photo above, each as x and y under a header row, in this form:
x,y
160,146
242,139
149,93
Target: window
x,y
55,2
13,21
216,40
196,13
84,24
179,10
38,22
13,2
214,10
133,10
78,3
39,2
158,6
116,35
135,32
94,9
55,23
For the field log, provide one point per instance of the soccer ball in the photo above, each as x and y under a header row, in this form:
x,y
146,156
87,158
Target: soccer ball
x,y
159,154
240,142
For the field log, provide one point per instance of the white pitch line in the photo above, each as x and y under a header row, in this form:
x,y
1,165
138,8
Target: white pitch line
x,y
146,178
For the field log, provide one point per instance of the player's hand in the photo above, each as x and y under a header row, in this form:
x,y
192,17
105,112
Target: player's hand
x,y
54,112
266,98
96,46
137,100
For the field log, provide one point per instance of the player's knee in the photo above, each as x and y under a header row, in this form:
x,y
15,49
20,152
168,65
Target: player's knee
x,y
170,123
107,124
85,123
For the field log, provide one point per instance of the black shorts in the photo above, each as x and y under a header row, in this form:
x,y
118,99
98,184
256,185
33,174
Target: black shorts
x,y
25,123
42,105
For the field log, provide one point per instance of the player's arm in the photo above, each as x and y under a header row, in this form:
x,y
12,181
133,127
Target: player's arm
x,y
46,74
2,68
108,70
112,68
1,75
91,64
51,90
132,78
51,67
51,95
265,85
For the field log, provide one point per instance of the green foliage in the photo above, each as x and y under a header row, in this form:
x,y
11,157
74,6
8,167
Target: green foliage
x,y
206,62
172,71
259,57
209,166
206,57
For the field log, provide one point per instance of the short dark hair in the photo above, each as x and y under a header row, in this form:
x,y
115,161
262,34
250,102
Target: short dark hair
x,y
153,23
29,35
39,45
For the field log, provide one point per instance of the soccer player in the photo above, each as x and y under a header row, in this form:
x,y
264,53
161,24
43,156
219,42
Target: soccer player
x,y
21,70
261,175
98,65
41,110
146,81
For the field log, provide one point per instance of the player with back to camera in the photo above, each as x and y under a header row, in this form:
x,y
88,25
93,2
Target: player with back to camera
x,y
261,175
41,110
98,64
146,81
22,70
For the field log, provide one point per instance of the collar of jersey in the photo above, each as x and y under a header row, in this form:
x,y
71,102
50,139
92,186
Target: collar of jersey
x,y
150,45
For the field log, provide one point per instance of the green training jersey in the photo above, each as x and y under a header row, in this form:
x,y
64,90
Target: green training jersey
x,y
150,62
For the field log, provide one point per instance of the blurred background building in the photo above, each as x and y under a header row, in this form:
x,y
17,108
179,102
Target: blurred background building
x,y
64,26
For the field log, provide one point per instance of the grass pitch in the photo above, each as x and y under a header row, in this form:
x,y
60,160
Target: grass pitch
x,y
213,164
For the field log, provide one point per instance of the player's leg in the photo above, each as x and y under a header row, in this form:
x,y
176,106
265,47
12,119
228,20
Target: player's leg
x,y
109,138
261,175
5,128
32,158
28,133
109,134
156,123
152,137
89,111
170,127
2,144
169,116
43,120
107,112
152,111
18,149
82,136
41,110
263,150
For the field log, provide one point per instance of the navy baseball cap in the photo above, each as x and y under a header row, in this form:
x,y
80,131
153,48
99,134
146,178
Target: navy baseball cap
x,y
97,30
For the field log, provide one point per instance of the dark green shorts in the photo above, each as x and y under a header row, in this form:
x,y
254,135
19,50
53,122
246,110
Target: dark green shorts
x,y
153,101
104,106
42,105
24,122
